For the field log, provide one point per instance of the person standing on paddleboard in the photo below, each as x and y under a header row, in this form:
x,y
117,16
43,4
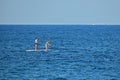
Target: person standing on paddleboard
x,y
46,45
36,43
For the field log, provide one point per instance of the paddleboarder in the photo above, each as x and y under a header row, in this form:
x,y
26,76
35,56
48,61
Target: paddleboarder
x,y
36,43
46,45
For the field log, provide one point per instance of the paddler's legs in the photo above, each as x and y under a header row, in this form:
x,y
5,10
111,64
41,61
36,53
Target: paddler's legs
x,y
46,48
36,47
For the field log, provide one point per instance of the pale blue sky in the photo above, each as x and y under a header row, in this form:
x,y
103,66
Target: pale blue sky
x,y
59,11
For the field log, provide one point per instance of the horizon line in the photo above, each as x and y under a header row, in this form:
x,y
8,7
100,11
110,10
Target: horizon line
x,y
56,24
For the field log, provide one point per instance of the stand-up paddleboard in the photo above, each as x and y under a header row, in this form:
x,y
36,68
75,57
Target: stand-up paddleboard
x,y
32,50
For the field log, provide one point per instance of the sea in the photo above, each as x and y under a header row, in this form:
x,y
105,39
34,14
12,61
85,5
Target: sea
x,y
76,52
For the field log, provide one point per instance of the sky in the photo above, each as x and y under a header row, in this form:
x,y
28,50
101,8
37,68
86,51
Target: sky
x,y
59,11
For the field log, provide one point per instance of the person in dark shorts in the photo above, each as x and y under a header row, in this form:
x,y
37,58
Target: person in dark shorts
x,y
36,43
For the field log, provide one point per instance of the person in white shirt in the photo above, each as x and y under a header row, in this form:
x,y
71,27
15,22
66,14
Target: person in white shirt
x,y
36,43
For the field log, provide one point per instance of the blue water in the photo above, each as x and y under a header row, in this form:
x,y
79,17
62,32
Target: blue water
x,y
76,52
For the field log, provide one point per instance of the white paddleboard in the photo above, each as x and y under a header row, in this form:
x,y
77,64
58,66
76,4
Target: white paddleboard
x,y
34,50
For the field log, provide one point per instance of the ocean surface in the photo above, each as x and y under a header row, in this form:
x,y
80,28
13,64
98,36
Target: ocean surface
x,y
76,52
